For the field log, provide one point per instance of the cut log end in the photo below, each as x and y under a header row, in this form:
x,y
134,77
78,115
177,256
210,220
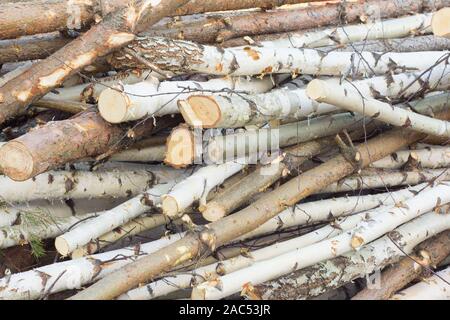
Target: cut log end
x,y
441,23
213,211
113,105
180,148
79,253
16,161
317,90
62,246
170,206
200,111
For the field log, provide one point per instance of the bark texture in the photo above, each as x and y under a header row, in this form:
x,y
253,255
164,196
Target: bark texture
x,y
244,221
431,253
114,31
60,142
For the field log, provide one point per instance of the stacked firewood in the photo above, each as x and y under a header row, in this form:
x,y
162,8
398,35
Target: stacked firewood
x,y
262,149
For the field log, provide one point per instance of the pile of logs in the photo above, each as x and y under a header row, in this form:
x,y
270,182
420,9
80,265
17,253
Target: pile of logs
x,y
257,149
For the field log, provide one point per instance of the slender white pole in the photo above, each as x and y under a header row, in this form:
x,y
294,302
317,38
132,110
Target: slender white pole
x,y
351,100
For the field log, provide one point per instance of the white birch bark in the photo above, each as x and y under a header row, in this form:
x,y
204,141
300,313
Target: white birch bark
x,y
232,111
172,55
430,199
432,288
252,141
73,274
384,29
82,91
10,214
84,184
334,273
129,229
371,179
323,210
120,215
155,98
432,157
327,249
197,186
171,284
339,96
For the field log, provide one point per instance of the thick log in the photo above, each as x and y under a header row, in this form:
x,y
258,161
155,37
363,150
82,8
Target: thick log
x,y
32,47
406,270
219,29
31,17
57,143
180,56
339,96
154,98
81,184
441,24
339,36
334,273
246,220
114,31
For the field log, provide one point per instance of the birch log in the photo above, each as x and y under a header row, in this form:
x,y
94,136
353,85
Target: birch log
x,y
129,229
433,198
155,98
418,24
122,214
147,154
372,179
73,274
83,184
167,285
397,276
233,111
197,186
432,288
48,147
114,31
182,56
10,213
246,220
431,157
227,147
339,96
327,249
441,24
334,273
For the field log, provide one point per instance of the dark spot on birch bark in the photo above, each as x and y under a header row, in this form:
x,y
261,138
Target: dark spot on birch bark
x,y
50,178
69,184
